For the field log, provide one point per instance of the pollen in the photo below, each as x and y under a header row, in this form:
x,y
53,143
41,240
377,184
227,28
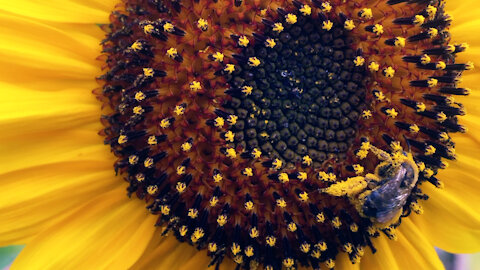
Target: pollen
x,y
243,41
202,24
195,86
253,61
291,18
278,27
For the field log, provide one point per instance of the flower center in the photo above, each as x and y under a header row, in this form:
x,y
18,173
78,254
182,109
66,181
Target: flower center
x,y
304,98
280,133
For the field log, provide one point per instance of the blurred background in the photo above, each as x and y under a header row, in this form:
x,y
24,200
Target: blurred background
x,y
451,261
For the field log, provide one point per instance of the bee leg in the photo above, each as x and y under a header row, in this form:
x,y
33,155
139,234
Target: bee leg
x,y
382,155
350,187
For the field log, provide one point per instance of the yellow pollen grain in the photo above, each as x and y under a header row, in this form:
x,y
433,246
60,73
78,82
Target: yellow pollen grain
x,y
419,19
469,66
359,169
430,150
165,210
414,129
183,230
202,24
213,201
148,163
172,52
349,25
283,178
316,254
133,159
140,177
359,61
391,112
271,240
428,172
348,247
232,119
277,163
148,29
354,227
270,43
389,72
212,247
303,196
229,68
305,247
443,136
197,235
440,65
263,12
425,59
256,153
168,27
253,61
152,189
243,41
366,13
192,213
432,82
195,86
378,29
399,42
418,209
217,177
441,117
330,263
305,10
420,107
248,172
122,139
179,110
302,176
186,146
249,251
374,66
281,203
292,227
366,114
139,96
138,110
181,170
307,160
327,25
291,18
278,27
221,220
218,57
379,96
231,153
254,233
248,205
148,72
288,262
165,123
136,46
326,7
219,122
320,218
431,11
180,187
152,140
432,32
229,136
247,90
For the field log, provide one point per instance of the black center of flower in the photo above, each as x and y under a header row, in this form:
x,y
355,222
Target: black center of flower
x,y
304,98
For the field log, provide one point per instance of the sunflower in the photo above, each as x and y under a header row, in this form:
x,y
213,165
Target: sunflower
x,y
274,134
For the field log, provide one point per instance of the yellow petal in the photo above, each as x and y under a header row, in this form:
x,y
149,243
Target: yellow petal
x,y
451,219
410,251
111,231
30,49
72,11
31,199
384,258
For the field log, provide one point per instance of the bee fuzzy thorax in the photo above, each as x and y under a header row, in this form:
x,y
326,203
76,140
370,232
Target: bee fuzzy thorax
x,y
280,133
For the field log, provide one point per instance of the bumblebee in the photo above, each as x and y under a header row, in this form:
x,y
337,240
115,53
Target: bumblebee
x,y
381,196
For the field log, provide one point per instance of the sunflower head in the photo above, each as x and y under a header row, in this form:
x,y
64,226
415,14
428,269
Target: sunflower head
x,y
281,132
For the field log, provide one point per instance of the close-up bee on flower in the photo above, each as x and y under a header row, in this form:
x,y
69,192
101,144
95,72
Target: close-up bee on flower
x,y
239,134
